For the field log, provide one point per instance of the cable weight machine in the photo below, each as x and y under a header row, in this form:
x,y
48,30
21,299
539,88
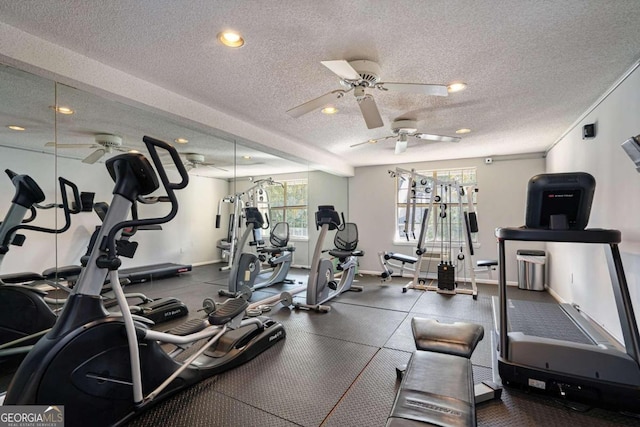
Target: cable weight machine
x,y
256,196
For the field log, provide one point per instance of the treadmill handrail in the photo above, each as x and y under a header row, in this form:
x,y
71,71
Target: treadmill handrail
x,y
590,235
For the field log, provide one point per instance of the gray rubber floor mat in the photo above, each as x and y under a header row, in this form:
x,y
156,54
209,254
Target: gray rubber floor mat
x,y
201,406
300,379
462,307
348,322
380,295
369,400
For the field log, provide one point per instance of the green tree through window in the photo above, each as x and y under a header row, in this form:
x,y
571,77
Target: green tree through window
x,y
289,204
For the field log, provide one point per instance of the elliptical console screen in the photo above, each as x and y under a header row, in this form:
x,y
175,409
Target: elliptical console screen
x,y
565,197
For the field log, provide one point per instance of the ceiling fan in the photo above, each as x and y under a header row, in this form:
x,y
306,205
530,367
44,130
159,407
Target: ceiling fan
x,y
104,143
358,76
196,160
402,130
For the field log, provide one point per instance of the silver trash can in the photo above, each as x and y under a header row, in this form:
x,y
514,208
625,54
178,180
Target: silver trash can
x,y
531,269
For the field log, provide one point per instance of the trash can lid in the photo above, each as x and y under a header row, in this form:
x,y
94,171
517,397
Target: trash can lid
x,y
530,252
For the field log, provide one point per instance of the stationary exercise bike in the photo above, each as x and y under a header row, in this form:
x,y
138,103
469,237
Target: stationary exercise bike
x,y
322,285
246,268
105,369
24,312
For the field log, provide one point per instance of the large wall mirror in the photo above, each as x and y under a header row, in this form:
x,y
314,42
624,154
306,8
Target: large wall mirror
x,y
63,132
27,123
100,128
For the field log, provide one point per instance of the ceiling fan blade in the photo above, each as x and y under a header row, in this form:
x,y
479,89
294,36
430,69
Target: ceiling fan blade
x,y
401,146
370,112
53,144
440,138
372,141
342,69
94,157
425,89
213,166
314,104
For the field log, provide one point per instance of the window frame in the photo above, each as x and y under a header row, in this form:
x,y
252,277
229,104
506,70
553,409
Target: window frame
x,y
436,177
286,207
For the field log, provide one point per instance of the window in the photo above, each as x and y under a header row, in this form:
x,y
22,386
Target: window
x,y
288,203
444,187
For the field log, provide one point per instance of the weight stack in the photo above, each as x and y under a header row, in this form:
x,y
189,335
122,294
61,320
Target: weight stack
x,y
446,277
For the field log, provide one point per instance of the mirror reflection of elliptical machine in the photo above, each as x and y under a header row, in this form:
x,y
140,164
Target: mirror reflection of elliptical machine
x,y
106,369
24,313
246,269
322,285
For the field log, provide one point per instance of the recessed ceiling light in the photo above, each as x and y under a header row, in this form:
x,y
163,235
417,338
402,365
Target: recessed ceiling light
x,y
246,157
456,87
62,110
372,141
15,127
231,39
329,110
463,130
181,140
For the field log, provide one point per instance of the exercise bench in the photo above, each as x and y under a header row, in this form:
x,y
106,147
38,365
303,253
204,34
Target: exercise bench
x,y
437,384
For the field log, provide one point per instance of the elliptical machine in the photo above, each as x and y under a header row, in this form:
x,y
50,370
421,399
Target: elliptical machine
x,y
105,369
246,267
24,312
322,286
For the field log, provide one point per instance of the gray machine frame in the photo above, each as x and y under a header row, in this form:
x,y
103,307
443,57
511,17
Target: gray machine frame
x,y
601,373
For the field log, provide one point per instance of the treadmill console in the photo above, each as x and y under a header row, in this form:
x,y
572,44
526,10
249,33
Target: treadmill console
x,y
559,201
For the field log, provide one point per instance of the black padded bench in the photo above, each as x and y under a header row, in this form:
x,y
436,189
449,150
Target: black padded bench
x,y
487,264
437,387
405,259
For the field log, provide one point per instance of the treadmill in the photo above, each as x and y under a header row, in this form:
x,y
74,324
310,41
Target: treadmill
x,y
589,367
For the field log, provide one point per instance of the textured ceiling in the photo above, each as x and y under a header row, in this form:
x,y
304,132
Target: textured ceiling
x,y
532,67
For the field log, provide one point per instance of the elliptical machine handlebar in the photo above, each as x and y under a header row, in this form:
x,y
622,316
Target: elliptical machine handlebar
x,y
146,183
65,184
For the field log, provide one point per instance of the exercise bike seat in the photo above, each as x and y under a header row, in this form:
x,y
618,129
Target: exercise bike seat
x,y
340,254
228,310
276,250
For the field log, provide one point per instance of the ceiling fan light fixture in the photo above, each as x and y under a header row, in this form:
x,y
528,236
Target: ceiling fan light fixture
x,y
181,140
231,39
16,128
456,87
463,131
329,110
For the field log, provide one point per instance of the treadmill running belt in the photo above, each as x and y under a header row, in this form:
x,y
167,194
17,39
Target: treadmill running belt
x,y
544,320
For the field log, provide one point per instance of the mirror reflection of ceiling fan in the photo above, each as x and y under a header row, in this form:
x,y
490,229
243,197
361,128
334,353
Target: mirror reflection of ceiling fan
x,y
405,129
358,76
196,160
104,143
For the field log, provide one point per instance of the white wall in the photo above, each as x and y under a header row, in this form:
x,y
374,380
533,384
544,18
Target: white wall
x,y
501,203
189,238
616,204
